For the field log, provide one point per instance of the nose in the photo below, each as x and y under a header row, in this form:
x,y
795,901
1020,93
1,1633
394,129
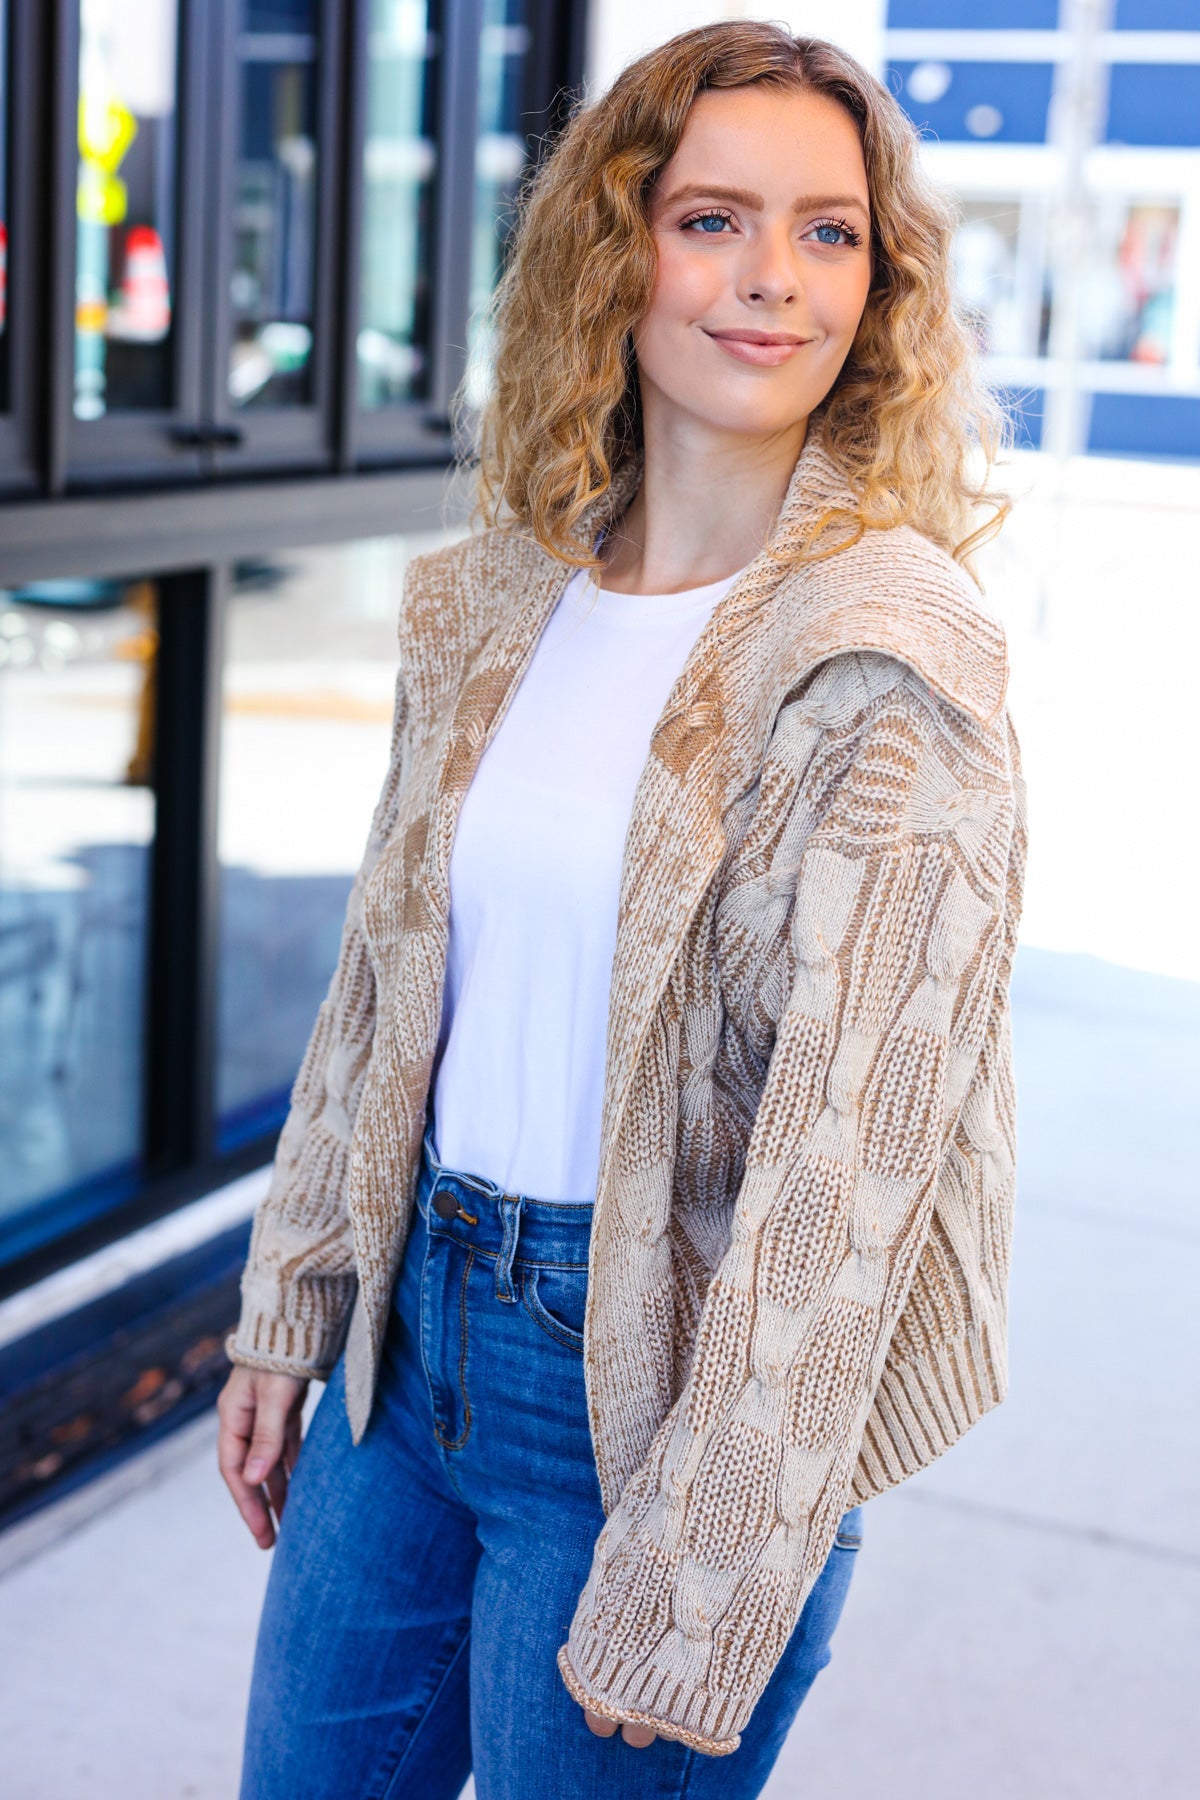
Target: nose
x,y
771,275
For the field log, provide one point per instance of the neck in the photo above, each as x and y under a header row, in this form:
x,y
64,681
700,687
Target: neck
x,y
704,509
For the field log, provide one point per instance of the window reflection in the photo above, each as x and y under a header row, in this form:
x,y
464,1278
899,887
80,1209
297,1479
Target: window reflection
x,y
275,206
500,155
125,205
76,824
308,692
398,181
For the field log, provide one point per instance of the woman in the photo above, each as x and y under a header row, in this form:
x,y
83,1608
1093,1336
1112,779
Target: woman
x,y
647,1210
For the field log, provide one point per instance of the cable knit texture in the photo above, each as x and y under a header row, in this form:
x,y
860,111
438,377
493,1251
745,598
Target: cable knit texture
x,y
799,1259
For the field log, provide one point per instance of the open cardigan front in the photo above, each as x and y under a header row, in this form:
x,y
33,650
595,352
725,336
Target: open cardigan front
x,y
798,1269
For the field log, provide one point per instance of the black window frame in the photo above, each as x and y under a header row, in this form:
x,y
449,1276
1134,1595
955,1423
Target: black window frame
x,y
200,439
27,129
286,436
151,444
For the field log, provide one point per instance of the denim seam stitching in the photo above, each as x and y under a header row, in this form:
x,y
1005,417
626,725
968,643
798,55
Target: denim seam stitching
x,y
549,1324
458,1442
519,1262
390,1787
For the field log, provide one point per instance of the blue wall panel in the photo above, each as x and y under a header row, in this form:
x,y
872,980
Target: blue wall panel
x,y
982,15
1020,93
1156,15
1145,425
1025,407
1155,103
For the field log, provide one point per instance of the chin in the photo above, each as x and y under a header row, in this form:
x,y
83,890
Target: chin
x,y
753,419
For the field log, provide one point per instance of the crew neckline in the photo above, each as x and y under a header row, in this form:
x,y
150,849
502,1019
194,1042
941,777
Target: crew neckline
x,y
610,603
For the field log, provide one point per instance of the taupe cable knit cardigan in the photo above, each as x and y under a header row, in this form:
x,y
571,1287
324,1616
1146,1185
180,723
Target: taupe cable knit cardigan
x,y
799,1259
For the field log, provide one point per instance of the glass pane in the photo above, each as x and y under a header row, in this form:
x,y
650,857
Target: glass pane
x,y
275,206
308,691
77,664
500,154
1129,295
999,257
398,180
125,205
4,400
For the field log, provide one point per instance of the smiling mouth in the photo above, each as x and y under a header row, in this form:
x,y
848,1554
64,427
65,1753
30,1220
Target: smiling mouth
x,y
788,338
759,349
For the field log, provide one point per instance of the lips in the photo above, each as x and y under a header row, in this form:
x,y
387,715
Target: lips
x,y
759,337
763,349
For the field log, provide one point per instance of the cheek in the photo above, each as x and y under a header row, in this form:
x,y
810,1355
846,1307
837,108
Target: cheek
x,y
684,285
839,301
684,291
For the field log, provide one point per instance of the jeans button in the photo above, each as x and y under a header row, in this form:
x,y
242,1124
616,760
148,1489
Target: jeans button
x,y
444,1205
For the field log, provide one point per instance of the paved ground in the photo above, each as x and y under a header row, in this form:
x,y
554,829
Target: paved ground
x,y
1023,1620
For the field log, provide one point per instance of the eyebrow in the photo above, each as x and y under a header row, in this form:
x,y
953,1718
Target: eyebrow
x,y
747,197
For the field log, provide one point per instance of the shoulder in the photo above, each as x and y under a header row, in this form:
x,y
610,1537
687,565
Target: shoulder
x,y
897,595
474,575
452,597
444,576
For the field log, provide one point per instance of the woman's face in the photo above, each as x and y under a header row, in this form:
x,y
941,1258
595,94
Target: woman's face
x,y
762,225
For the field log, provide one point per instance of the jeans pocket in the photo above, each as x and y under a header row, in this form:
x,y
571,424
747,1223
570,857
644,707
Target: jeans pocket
x,y
554,1299
849,1532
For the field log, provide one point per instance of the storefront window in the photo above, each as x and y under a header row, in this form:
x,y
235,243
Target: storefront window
x,y
500,156
308,693
77,666
398,182
125,205
275,205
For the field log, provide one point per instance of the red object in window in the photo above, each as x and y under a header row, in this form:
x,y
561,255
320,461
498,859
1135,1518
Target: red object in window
x,y
142,311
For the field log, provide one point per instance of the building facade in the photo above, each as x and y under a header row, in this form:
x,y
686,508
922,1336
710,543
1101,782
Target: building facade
x,y
1069,132
246,249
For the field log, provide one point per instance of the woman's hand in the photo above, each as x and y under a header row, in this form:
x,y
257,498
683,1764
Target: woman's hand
x,y
637,1735
258,1441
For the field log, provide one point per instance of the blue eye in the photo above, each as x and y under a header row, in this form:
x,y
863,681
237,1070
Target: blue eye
x,y
710,223
836,234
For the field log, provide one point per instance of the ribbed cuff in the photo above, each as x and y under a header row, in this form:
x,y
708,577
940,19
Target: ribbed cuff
x,y
655,1682
274,1365
923,1407
265,1338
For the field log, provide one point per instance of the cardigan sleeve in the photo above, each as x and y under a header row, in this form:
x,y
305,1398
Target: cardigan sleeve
x,y
299,1279
894,950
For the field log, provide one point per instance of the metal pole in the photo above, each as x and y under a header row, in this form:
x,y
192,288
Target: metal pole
x,y
1078,113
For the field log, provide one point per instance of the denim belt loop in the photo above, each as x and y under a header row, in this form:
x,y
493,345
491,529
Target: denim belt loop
x,y
510,1214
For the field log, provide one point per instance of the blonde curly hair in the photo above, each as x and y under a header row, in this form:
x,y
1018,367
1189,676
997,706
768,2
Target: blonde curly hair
x,y
908,420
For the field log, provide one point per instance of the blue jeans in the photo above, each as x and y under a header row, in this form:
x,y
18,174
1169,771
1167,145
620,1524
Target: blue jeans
x,y
423,1580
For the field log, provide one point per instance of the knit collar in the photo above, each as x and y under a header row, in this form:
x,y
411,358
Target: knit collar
x,y
894,591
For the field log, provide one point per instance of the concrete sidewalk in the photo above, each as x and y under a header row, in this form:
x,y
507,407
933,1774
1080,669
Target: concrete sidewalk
x,y
1022,1624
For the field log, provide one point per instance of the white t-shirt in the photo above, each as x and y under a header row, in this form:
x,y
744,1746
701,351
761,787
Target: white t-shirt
x,y
535,878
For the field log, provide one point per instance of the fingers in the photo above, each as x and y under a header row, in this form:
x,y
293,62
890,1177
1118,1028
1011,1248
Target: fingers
x,y
236,1424
259,1418
639,1736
